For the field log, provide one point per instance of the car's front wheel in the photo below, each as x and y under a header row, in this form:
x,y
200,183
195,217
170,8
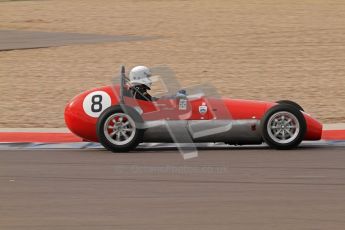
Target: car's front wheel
x,y
117,131
283,127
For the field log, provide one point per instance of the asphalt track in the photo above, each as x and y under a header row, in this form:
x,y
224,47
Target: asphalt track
x,y
18,39
224,188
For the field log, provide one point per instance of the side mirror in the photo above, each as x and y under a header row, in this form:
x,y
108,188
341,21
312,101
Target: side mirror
x,y
181,93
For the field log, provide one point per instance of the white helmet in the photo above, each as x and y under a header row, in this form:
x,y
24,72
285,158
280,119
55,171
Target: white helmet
x,y
140,75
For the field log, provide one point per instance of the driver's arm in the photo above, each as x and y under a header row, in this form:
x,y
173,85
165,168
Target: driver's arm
x,y
141,94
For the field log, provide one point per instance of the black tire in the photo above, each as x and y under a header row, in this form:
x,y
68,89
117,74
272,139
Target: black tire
x,y
292,103
268,134
109,144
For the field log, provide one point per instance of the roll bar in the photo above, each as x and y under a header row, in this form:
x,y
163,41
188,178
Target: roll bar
x,y
122,84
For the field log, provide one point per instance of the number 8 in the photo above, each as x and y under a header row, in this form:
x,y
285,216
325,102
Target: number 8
x,y
96,103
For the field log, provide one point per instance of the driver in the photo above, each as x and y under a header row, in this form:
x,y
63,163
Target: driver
x,y
140,80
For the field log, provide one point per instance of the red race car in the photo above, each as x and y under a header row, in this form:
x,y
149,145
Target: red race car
x,y
120,120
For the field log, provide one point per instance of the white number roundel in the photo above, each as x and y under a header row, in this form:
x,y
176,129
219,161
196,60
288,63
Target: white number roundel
x,y
96,102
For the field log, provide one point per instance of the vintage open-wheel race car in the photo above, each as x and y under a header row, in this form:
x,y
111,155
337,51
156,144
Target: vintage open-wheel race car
x,y
111,116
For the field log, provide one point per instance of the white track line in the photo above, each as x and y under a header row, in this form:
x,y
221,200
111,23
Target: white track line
x,y
151,146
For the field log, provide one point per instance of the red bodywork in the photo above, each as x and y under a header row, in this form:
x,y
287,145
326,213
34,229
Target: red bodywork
x,y
84,126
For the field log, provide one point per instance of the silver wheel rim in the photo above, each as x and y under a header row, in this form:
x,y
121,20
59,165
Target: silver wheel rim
x,y
119,129
283,127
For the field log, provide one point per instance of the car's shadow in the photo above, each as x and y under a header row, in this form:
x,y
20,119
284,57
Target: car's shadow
x,y
159,148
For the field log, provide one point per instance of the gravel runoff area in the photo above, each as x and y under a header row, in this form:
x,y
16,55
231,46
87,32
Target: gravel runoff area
x,y
267,50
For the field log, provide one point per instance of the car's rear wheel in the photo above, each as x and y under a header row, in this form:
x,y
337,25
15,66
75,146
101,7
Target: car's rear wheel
x,y
117,131
283,127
